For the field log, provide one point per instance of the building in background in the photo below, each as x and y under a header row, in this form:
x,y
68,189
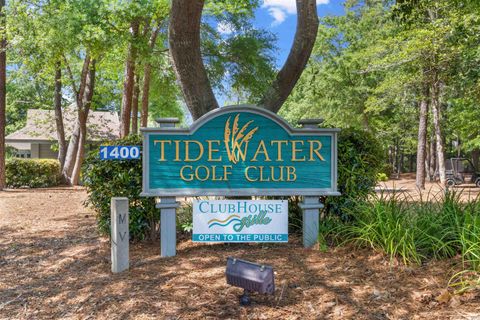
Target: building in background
x,y
38,139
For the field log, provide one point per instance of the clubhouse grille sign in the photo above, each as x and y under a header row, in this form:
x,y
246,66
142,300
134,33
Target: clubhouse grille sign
x,y
239,151
240,221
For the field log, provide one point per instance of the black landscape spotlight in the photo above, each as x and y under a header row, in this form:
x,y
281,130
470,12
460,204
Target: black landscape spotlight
x,y
252,277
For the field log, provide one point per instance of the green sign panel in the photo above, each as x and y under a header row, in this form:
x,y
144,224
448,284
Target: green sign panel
x,y
239,151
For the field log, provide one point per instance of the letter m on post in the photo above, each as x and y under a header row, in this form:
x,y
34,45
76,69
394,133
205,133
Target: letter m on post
x,y
122,218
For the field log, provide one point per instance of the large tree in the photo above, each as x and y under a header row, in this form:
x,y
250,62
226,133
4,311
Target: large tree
x,y
185,44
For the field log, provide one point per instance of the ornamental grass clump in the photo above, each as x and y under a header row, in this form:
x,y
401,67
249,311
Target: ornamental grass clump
x,y
416,231
384,224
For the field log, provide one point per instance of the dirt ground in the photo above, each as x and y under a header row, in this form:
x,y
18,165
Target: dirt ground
x,y
54,265
405,187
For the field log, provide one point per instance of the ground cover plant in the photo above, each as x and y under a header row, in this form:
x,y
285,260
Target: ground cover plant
x,y
416,231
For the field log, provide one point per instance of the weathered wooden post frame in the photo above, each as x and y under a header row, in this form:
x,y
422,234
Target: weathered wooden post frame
x,y
239,151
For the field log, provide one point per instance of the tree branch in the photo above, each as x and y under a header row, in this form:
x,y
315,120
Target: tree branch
x,y
287,77
70,75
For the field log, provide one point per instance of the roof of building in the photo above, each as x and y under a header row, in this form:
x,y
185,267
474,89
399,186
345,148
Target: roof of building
x,y
41,125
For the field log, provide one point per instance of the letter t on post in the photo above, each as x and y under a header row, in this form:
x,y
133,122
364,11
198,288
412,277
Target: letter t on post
x,y
311,204
168,207
119,234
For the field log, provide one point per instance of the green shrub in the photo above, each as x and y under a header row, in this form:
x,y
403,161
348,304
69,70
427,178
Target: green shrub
x,y
185,217
360,159
33,173
120,178
382,177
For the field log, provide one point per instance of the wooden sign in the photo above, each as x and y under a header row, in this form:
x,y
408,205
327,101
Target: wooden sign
x,y
239,151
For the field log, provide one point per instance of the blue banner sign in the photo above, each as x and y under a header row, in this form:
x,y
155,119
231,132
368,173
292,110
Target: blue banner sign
x,y
119,152
240,221
239,151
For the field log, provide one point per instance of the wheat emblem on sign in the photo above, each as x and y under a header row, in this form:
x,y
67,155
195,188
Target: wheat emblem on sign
x,y
236,141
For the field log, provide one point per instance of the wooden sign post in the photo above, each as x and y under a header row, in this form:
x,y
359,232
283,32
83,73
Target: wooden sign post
x,y
240,151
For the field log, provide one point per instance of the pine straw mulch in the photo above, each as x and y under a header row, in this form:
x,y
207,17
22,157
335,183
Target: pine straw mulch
x,y
53,264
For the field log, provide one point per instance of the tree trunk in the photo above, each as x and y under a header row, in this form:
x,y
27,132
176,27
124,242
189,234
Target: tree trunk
x,y
72,149
428,158
147,74
184,40
440,144
476,158
422,141
62,143
136,96
82,117
305,36
433,158
391,159
402,159
145,94
129,81
3,96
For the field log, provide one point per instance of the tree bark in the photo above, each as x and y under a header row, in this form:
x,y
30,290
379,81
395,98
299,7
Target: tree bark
x,y
136,96
147,74
422,141
62,143
428,157
3,96
476,158
305,36
73,144
433,158
147,71
82,117
129,81
184,40
440,144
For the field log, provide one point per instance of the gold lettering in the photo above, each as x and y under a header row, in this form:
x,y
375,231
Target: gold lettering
x,y
280,178
315,150
190,175
241,154
162,147
247,175
197,174
177,150
187,149
211,150
291,175
261,145
261,174
214,174
295,150
227,170
279,147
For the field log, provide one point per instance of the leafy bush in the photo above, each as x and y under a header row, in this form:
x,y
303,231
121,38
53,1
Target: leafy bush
x,y
33,173
185,217
120,178
382,177
360,159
